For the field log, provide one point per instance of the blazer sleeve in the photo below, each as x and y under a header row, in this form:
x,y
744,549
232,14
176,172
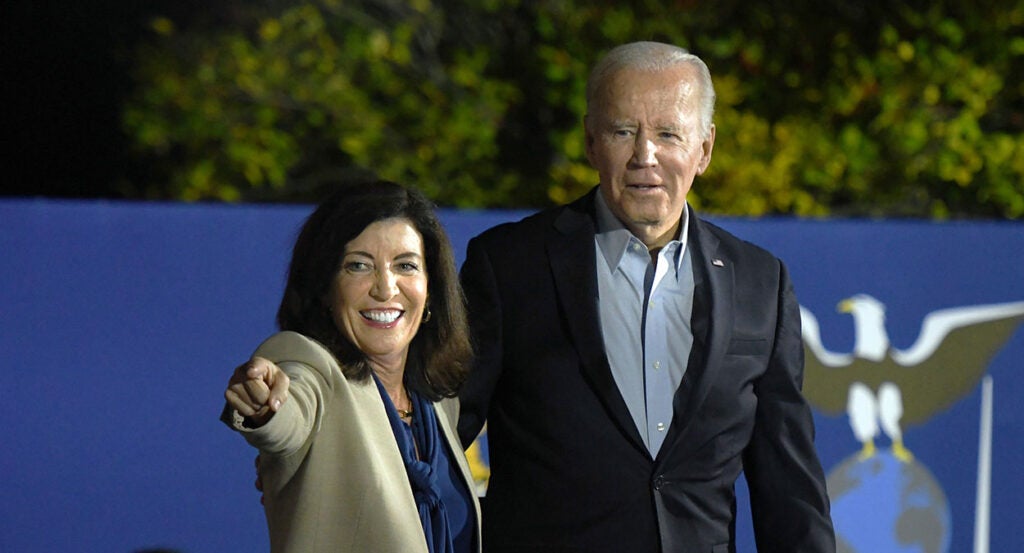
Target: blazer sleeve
x,y
311,369
789,502
483,299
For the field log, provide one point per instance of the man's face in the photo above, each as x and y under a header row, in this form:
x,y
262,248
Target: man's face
x,y
644,139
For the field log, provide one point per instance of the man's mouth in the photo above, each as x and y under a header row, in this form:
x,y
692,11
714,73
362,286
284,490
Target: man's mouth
x,y
643,186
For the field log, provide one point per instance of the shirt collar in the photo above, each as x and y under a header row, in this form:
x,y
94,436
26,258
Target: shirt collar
x,y
613,237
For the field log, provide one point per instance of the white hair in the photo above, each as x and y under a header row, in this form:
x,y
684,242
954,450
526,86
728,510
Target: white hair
x,y
654,56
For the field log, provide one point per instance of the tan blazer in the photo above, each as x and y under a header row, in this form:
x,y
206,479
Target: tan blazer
x,y
333,478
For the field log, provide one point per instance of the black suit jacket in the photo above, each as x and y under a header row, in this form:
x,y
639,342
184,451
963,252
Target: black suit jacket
x,y
569,471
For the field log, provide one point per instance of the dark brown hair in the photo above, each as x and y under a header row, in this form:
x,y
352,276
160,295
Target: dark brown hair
x,y
439,354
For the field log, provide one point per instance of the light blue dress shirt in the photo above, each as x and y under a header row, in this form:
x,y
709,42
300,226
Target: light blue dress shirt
x,y
645,313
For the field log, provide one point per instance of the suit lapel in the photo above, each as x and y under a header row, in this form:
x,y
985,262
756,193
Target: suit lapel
x,y
572,257
712,320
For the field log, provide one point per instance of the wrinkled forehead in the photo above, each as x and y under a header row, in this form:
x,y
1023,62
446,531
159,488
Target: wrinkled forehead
x,y
678,81
638,94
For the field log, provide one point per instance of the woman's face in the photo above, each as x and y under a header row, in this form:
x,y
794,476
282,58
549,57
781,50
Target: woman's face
x,y
379,293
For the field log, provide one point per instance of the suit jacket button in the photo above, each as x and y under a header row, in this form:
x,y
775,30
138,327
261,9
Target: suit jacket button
x,y
659,482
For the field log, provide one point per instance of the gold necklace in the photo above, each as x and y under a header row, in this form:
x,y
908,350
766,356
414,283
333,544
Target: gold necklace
x,y
402,413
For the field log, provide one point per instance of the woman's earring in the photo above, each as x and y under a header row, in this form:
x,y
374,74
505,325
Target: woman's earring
x,y
426,314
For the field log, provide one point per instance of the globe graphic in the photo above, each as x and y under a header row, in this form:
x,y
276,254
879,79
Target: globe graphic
x,y
884,505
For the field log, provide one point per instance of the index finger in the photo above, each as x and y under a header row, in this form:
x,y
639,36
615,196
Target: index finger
x,y
260,368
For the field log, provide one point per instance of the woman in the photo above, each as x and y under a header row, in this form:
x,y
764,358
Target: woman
x,y
352,405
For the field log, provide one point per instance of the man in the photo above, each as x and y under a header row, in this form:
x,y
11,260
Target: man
x,y
632,358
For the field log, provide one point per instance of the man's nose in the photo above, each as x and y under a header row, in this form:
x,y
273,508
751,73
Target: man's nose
x,y
644,151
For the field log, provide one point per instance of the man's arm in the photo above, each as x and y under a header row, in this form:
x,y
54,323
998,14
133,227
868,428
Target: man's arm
x,y
787,484
485,316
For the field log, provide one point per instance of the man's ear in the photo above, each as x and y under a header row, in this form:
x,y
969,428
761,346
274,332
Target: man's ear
x,y
705,151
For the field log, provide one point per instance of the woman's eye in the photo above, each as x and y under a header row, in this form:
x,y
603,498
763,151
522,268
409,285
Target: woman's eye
x,y
356,267
408,267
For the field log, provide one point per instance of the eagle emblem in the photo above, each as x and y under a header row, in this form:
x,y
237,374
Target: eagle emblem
x,y
886,389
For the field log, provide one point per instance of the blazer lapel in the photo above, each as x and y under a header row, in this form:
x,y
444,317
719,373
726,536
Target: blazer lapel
x,y
713,313
572,257
447,411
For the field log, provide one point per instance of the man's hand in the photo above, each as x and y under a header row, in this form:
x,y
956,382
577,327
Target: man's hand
x,y
257,389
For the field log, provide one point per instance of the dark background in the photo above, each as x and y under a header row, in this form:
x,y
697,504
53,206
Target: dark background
x,y
65,73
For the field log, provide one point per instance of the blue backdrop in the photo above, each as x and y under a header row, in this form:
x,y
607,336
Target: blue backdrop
x,y
121,323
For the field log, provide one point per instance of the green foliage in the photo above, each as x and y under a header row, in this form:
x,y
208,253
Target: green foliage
x,y
825,108
276,108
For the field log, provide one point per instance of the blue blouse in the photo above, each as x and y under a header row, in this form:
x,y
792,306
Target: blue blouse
x,y
454,495
442,498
